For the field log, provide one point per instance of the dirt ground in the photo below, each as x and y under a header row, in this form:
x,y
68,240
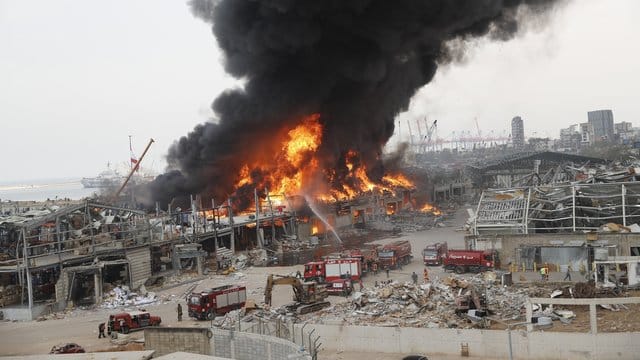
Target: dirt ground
x,y
81,325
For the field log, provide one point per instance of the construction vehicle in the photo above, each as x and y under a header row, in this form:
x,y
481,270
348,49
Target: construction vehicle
x,y
471,299
395,254
462,261
434,254
134,320
308,295
217,301
472,304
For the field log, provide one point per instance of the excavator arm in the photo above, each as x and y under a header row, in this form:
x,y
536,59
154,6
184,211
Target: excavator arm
x,y
283,280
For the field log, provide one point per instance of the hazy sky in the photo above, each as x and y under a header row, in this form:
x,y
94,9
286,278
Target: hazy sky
x,y
78,77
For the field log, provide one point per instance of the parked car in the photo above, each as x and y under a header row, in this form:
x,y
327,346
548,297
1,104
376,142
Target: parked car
x,y
68,348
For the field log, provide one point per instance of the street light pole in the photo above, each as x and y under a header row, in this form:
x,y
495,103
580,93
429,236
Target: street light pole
x,y
509,333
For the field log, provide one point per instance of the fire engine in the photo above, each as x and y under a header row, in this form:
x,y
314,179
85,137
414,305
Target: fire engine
x,y
395,254
125,322
217,301
462,261
434,254
332,269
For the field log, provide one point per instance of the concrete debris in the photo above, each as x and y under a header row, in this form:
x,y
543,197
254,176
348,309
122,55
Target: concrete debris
x,y
567,314
427,305
123,296
611,307
556,293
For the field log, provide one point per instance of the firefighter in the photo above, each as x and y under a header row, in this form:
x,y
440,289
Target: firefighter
x,y
425,275
414,278
544,273
101,331
179,312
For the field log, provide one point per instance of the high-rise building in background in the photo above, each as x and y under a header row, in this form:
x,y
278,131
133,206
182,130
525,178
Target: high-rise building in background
x,y
517,132
602,122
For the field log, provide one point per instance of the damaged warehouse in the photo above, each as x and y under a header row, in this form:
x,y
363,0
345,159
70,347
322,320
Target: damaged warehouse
x,y
67,256
565,226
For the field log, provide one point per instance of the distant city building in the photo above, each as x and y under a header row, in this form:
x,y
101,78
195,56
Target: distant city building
x,y
624,132
517,132
541,144
587,134
569,139
602,122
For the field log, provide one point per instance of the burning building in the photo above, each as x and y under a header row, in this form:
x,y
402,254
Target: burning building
x,y
324,81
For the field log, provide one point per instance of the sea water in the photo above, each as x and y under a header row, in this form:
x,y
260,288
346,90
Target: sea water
x,y
43,189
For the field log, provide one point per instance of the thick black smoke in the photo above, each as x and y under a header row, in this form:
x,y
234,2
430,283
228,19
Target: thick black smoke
x,y
356,62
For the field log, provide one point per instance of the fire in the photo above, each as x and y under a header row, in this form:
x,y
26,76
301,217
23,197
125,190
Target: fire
x,y
432,209
296,164
303,139
314,230
398,180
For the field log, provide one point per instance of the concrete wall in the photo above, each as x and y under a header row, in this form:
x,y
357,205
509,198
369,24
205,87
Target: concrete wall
x,y
222,343
248,346
482,343
168,340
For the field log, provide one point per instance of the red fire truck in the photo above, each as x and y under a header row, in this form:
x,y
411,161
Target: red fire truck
x,y
476,261
367,256
329,270
217,301
434,254
125,322
395,254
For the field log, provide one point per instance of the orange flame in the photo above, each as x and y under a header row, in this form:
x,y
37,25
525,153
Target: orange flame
x,y
295,164
431,209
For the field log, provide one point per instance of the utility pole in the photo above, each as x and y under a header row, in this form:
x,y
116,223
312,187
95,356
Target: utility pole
x,y
233,231
258,237
215,228
273,227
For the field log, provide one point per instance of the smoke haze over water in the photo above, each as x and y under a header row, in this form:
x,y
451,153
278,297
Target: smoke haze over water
x,y
357,63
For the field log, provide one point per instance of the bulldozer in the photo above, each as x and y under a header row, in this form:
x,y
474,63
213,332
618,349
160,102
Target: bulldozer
x,y
308,296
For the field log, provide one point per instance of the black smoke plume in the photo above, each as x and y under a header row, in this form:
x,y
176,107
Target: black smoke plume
x,y
355,62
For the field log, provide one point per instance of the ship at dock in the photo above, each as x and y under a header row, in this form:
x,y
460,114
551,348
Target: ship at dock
x,y
106,179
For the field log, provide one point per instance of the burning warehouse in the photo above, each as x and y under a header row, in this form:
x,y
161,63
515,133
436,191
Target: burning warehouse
x,y
324,82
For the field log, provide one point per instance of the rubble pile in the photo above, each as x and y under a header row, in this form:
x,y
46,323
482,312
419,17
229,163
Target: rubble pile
x,y
414,221
426,305
9,295
123,296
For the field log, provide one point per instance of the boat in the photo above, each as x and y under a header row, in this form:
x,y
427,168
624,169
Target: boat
x,y
106,179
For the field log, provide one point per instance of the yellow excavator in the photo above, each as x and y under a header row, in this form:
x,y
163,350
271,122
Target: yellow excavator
x,y
308,296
